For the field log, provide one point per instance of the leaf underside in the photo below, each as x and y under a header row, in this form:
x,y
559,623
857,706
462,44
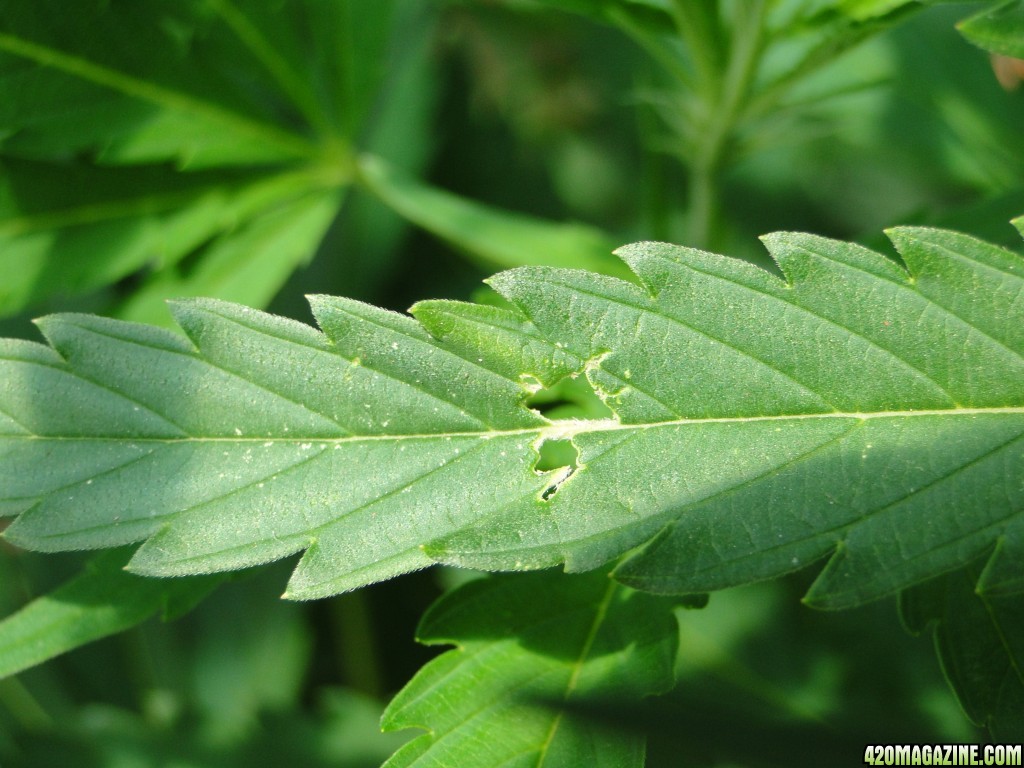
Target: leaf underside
x,y
853,408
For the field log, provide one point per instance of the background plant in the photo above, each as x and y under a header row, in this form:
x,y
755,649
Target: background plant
x,y
217,157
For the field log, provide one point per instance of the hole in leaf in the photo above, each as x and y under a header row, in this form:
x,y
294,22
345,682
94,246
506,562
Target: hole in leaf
x,y
555,454
570,398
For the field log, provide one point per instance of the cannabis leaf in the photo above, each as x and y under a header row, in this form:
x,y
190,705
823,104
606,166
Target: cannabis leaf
x,y
978,638
854,408
248,444
999,28
180,143
501,697
758,425
206,147
203,148
100,601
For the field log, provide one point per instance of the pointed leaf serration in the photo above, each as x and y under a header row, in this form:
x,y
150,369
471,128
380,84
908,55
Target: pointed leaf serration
x,y
850,407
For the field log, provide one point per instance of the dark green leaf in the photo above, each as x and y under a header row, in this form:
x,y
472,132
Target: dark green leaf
x,y
103,600
529,649
999,29
203,146
980,642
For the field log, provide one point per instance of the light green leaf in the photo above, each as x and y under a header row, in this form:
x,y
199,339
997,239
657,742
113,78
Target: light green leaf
x,y
529,648
494,237
250,266
853,408
259,383
999,29
101,601
74,228
759,424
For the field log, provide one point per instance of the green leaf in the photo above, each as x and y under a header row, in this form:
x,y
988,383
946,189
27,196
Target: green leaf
x,y
854,408
259,382
250,266
494,237
338,730
161,141
72,228
760,424
529,649
979,642
999,29
103,600
170,90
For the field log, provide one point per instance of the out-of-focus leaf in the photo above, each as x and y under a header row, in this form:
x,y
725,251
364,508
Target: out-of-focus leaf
x,y
529,648
103,600
979,637
493,237
340,730
999,29
251,656
364,242
70,228
651,15
160,140
249,266
198,83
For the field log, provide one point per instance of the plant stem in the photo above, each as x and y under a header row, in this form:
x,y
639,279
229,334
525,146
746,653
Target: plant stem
x,y
653,46
357,656
655,207
698,24
721,120
20,702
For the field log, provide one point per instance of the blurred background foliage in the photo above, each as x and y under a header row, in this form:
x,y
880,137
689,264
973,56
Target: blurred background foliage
x,y
395,151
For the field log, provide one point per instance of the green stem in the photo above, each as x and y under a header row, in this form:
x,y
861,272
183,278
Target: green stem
x,y
357,653
655,207
722,118
25,708
698,24
703,193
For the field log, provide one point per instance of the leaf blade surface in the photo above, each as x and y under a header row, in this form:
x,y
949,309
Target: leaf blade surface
x,y
759,424
529,648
